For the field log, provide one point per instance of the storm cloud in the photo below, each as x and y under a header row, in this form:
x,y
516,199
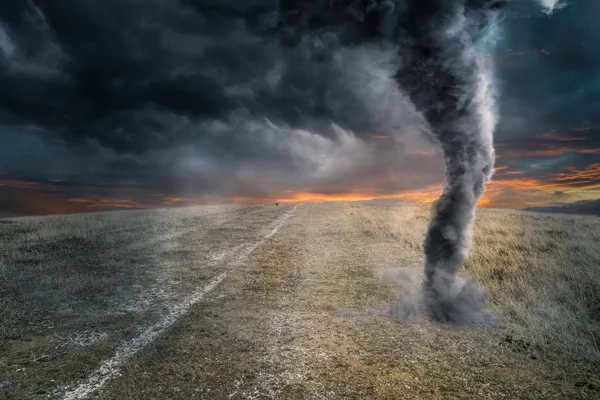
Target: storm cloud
x,y
255,98
213,94
137,76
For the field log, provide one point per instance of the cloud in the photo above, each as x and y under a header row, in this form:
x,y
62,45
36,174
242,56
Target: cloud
x,y
550,5
18,184
556,91
6,45
137,77
235,99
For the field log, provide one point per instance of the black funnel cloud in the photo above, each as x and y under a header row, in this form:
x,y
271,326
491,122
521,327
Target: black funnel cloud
x,y
448,81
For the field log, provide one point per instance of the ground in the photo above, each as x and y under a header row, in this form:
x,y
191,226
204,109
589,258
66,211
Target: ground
x,y
291,302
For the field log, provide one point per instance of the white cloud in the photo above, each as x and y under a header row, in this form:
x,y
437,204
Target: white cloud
x,y
551,5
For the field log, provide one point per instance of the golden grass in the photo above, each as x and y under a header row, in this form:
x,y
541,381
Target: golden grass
x,y
540,271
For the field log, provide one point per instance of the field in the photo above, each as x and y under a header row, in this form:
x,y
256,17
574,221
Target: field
x,y
291,302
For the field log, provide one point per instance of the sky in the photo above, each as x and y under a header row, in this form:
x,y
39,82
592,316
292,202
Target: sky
x,y
119,104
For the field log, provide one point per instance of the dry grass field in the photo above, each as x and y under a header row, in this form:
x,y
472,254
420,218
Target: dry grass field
x,y
266,302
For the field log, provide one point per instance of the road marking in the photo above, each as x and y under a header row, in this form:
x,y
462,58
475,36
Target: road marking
x,y
111,367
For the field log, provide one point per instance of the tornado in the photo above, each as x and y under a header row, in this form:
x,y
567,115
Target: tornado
x,y
450,82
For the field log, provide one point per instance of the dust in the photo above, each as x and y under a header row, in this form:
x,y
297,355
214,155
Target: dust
x,y
459,299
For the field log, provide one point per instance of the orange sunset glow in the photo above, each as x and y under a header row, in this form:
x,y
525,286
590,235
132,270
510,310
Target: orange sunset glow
x,y
508,189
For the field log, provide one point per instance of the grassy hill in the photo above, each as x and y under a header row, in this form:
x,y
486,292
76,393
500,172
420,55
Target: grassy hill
x,y
260,302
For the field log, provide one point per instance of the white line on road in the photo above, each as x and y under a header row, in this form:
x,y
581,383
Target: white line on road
x,y
111,367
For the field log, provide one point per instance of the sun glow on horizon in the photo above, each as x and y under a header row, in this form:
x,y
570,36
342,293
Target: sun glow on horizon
x,y
507,189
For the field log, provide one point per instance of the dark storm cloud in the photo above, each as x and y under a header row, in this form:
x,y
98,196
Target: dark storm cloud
x,y
137,76
228,97
107,73
256,97
554,82
550,94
